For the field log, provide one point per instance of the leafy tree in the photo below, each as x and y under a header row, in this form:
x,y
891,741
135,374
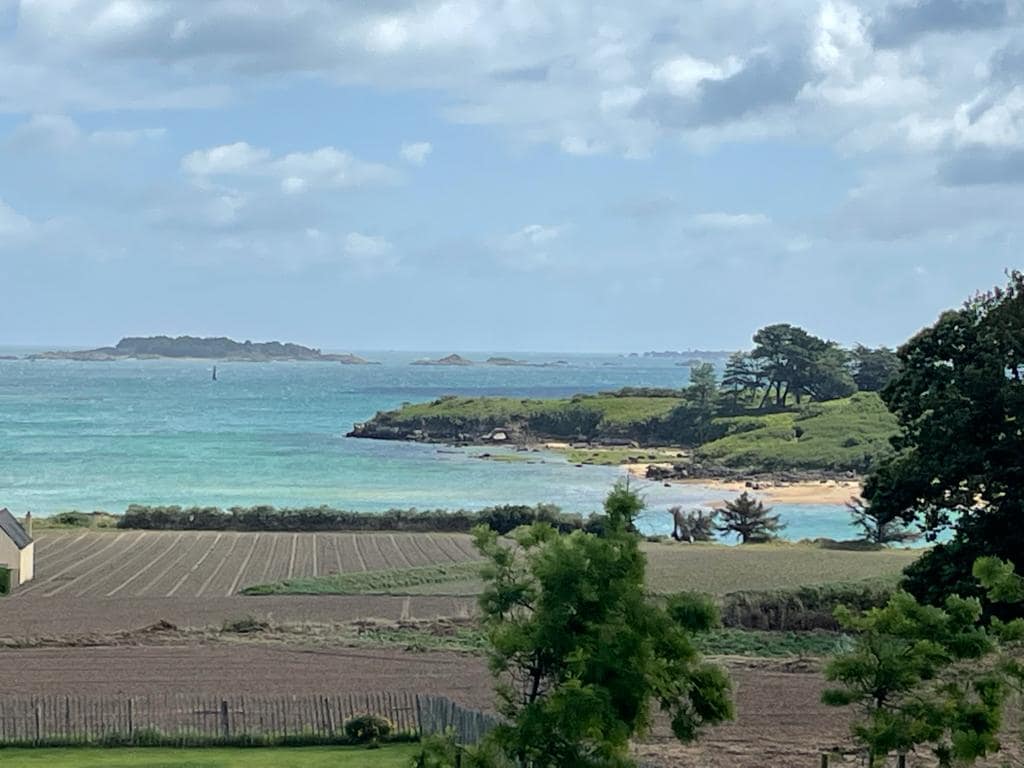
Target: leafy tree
x,y
693,525
749,519
702,393
797,363
743,377
910,673
877,528
580,653
873,369
959,400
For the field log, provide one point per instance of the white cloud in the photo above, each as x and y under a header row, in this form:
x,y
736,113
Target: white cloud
x,y
529,248
994,120
416,152
682,75
360,246
46,132
12,224
728,221
295,172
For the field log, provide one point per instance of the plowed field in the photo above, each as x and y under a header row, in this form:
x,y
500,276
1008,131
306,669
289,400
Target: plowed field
x,y
186,564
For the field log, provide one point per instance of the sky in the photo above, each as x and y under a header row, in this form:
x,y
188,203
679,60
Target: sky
x,y
579,175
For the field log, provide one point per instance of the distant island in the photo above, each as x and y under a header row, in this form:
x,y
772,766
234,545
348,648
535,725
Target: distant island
x,y
218,348
449,360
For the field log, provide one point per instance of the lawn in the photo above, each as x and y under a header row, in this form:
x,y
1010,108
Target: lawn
x,y
393,756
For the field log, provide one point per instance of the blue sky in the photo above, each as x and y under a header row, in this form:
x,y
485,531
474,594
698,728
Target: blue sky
x,y
504,174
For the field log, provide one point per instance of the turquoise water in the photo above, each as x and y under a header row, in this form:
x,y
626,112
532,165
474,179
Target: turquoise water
x,y
100,436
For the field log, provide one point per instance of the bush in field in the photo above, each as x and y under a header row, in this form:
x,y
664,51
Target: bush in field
x,y
367,729
507,517
802,608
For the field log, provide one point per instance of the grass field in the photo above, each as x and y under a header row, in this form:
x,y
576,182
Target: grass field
x,y
392,756
711,568
839,434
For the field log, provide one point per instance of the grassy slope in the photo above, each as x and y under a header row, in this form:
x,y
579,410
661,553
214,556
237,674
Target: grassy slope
x,y
838,434
397,756
712,568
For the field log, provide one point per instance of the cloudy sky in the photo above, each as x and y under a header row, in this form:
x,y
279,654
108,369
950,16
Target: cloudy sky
x,y
504,174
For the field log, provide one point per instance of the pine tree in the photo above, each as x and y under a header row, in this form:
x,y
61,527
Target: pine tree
x,y
749,519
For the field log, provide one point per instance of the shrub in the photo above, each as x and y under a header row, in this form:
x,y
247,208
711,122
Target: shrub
x,y
803,608
245,626
367,729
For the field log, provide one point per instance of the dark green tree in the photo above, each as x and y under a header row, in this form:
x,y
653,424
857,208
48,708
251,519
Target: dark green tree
x,y
911,673
798,364
959,459
579,651
743,378
749,519
873,368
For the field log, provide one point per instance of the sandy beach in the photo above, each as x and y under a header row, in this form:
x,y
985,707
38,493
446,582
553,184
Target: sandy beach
x,y
808,492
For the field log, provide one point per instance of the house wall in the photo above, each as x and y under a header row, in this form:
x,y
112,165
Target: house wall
x,y
28,563
21,561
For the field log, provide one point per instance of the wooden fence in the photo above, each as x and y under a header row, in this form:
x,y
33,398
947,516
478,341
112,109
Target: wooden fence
x,y
195,720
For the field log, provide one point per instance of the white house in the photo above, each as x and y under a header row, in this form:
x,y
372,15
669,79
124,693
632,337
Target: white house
x,y
17,550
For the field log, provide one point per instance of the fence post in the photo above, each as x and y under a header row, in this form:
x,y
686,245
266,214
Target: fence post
x,y
38,724
901,761
131,720
225,721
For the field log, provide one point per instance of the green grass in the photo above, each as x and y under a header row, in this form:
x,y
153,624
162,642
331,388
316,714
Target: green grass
x,y
370,582
839,434
615,456
756,643
392,756
717,569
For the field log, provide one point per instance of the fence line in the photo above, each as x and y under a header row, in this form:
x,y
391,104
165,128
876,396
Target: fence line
x,y
187,720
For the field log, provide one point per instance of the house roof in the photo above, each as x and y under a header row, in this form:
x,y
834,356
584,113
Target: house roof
x,y
10,526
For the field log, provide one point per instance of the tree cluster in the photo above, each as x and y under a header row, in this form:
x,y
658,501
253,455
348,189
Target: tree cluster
x,y
789,364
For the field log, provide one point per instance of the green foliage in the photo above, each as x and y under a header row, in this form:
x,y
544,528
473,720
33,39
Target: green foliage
x,y
749,519
873,369
579,651
959,398
267,518
913,672
799,364
366,582
367,729
802,608
847,434
692,525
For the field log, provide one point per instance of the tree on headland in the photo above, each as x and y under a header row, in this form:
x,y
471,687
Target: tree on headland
x,y
798,364
743,378
749,519
579,651
873,369
959,459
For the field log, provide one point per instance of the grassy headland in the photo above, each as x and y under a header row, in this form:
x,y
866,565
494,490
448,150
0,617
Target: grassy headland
x,y
845,434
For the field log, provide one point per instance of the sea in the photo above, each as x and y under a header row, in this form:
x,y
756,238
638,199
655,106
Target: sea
x,y
102,435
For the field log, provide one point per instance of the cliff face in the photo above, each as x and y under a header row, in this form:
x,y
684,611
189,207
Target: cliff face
x,y
218,348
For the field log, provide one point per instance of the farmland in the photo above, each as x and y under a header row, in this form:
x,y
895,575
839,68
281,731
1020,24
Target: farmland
x,y
395,756
127,564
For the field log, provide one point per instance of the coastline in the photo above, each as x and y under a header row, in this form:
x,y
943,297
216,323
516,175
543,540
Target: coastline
x,y
832,492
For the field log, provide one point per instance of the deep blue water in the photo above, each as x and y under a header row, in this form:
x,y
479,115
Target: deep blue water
x,y
76,435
